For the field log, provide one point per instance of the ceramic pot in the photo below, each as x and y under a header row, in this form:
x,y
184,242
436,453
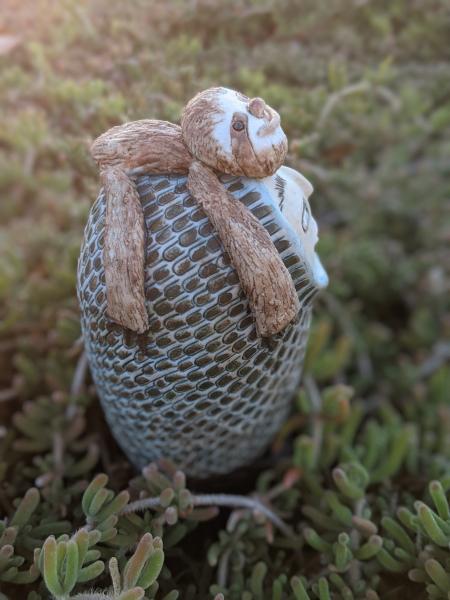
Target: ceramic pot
x,y
199,387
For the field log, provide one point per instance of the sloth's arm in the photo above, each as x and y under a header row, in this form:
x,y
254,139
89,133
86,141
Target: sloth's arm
x,y
263,276
121,153
143,146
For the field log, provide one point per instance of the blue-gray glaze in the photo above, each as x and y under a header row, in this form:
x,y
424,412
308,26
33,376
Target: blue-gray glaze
x,y
199,387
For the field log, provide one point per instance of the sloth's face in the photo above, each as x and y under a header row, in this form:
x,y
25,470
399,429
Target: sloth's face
x,y
233,133
290,191
249,133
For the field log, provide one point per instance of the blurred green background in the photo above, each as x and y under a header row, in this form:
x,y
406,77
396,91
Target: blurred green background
x,y
363,90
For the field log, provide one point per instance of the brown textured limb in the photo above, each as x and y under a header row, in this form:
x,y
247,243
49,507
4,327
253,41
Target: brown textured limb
x,y
262,274
123,252
147,145
140,146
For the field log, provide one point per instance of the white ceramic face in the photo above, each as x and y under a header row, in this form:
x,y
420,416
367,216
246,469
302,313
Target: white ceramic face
x,y
290,191
231,102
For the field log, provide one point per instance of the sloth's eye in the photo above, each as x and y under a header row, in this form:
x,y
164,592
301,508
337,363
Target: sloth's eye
x,y
238,126
306,215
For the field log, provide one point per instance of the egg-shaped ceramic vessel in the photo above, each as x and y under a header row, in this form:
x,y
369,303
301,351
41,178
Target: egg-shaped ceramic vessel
x,y
199,387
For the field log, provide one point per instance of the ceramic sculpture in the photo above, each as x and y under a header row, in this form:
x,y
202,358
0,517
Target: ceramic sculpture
x,y
196,280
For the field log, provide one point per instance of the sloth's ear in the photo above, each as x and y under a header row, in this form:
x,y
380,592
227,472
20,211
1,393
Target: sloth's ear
x,y
298,178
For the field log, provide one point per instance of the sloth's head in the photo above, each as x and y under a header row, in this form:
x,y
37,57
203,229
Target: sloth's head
x,y
233,133
290,191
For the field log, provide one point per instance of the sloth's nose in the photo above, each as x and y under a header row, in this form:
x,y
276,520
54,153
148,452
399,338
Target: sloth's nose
x,y
256,107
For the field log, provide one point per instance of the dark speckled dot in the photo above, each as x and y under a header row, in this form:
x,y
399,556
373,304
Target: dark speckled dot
x,y
189,202
93,283
156,225
297,273
163,341
243,371
253,336
180,223
260,357
224,401
233,365
205,385
239,345
172,291
181,186
244,323
225,298
250,198
195,375
232,278
162,307
249,352
213,244
213,345
152,258
191,284
173,377
262,382
175,353
155,325
182,266
253,376
198,215
282,245
97,263
183,335
172,323
262,211
183,306
214,371
212,312
235,187
216,284
203,332
171,253
202,299
164,235
222,325
165,199
185,365
174,210
193,348
161,274
194,318
224,380
202,361
230,337
181,388
292,260
205,229
161,185
222,356
272,228
198,253
188,237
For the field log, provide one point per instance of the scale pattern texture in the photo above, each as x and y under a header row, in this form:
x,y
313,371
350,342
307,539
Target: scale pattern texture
x,y
199,387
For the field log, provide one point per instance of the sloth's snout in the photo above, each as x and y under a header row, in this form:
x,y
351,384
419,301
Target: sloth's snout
x,y
271,122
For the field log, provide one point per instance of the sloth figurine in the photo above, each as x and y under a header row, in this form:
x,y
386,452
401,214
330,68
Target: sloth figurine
x,y
196,280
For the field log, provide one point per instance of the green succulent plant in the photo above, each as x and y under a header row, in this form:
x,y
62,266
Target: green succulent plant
x,y
352,500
